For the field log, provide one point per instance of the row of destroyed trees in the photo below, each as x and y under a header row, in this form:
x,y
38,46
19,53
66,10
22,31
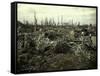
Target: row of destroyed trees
x,y
48,21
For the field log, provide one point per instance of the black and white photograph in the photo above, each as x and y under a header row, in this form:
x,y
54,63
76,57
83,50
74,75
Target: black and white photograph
x,y
51,37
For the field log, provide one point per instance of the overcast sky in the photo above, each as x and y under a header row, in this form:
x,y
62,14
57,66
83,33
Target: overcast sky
x,y
84,15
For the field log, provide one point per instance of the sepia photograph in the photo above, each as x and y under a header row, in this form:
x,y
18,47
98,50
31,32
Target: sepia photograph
x,y
54,37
